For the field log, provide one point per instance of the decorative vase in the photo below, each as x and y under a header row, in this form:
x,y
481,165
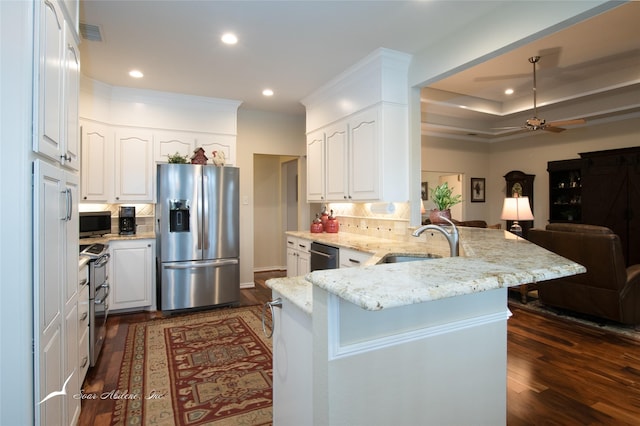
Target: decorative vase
x,y
435,215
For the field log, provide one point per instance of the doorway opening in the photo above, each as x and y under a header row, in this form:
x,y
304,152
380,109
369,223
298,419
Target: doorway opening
x,y
277,206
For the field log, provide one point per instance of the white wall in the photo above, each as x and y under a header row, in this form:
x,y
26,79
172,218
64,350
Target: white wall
x,y
469,158
261,132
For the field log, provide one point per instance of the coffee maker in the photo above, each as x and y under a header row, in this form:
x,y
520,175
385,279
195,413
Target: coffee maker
x,y
127,220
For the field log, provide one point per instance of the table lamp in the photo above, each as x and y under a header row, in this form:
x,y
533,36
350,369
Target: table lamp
x,y
516,209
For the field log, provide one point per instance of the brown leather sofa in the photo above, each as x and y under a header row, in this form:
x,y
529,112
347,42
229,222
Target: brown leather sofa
x,y
607,290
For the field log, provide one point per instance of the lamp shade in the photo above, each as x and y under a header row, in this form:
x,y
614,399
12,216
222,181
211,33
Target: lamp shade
x,y
516,208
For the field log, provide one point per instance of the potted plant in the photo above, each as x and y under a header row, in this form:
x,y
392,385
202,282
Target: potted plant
x,y
177,158
442,196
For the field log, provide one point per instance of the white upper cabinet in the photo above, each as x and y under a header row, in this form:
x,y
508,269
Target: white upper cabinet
x,y
367,141
70,157
57,80
337,164
315,166
220,143
171,143
134,166
365,168
97,163
49,81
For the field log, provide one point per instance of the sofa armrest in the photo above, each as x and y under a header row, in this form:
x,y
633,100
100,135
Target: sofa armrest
x,y
633,280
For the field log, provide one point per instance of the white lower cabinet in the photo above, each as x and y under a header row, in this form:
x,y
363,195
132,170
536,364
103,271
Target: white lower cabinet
x,y
298,257
132,278
292,365
353,258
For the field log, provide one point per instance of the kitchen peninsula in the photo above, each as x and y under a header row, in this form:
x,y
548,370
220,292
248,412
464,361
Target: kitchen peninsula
x,y
420,342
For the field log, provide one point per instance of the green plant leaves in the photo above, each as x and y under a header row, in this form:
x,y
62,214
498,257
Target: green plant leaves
x,y
443,197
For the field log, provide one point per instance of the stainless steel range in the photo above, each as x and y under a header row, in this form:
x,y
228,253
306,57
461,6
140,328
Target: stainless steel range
x,y
98,296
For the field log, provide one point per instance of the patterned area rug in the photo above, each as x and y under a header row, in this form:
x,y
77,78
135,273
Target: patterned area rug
x,y
535,305
212,368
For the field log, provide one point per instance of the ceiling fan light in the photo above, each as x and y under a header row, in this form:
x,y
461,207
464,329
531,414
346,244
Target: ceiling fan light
x,y
508,92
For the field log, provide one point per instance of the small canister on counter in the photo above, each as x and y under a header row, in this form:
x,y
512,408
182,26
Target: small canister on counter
x,y
316,226
332,224
324,216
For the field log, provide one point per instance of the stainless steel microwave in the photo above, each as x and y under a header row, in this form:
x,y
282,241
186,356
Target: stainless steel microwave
x,y
95,223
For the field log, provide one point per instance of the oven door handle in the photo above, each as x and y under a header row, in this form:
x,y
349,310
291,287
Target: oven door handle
x,y
102,260
328,256
106,294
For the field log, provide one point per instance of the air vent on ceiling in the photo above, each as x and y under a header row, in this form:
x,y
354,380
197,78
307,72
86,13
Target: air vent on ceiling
x,y
90,32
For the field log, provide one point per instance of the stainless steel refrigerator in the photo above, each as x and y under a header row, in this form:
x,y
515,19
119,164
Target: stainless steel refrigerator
x,y
197,232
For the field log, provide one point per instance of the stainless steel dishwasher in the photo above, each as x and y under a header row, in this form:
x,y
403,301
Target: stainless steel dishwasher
x,y
323,256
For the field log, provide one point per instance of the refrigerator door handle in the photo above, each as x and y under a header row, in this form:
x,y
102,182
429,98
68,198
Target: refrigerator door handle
x,y
205,202
199,195
196,265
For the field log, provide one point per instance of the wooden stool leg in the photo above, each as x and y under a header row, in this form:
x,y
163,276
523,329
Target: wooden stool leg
x,y
523,293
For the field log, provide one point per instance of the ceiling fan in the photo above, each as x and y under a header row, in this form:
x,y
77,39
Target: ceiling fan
x,y
536,123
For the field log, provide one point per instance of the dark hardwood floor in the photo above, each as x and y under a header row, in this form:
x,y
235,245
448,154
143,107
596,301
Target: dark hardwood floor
x,y
559,372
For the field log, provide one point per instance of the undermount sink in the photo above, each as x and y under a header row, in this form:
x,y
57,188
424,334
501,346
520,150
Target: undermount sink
x,y
396,258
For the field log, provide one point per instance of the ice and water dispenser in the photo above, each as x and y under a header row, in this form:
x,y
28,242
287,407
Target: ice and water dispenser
x,y
178,215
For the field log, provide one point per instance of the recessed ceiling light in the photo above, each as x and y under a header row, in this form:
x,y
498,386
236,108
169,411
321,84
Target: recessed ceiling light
x,y
508,92
136,74
267,92
229,38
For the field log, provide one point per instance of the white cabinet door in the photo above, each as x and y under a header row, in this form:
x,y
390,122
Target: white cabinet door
x,y
364,161
315,167
132,277
224,143
134,171
304,263
49,201
71,362
171,143
50,73
292,262
353,258
337,163
70,157
83,325
292,365
71,230
97,162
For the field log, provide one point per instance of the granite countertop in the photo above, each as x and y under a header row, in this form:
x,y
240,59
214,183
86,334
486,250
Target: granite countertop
x,y
489,259
117,237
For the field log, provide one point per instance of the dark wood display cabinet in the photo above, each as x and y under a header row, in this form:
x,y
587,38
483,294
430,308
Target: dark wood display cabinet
x,y
522,184
600,188
565,191
611,195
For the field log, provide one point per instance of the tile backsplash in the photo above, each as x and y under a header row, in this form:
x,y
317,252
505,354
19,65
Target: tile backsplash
x,y
381,220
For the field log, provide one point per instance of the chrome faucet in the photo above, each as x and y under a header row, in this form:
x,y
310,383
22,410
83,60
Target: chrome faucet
x,y
452,237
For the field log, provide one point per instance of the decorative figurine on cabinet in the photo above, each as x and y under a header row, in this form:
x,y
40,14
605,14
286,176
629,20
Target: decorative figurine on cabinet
x,y
199,157
218,158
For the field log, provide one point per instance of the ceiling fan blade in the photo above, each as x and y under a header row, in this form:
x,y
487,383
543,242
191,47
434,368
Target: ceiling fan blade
x,y
507,128
567,122
553,129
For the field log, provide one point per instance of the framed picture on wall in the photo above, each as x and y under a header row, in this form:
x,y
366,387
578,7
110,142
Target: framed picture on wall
x,y
424,191
477,190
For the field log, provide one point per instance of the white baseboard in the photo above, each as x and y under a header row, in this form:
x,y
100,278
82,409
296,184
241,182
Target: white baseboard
x,y
269,268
